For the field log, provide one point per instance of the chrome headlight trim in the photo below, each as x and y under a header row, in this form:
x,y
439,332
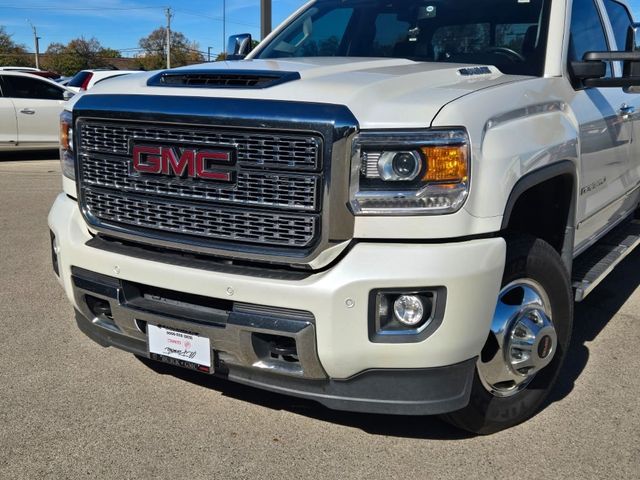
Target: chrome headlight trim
x,y
428,198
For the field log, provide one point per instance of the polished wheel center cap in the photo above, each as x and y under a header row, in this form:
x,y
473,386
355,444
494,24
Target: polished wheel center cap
x,y
525,339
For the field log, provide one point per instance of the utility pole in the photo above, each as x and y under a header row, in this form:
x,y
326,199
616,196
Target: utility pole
x,y
224,25
36,39
169,15
209,54
265,18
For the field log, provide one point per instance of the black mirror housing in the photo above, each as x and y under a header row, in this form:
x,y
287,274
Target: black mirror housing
x,y
239,46
632,69
588,70
592,76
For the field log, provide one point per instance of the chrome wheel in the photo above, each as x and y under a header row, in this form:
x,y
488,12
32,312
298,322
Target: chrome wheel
x,y
522,341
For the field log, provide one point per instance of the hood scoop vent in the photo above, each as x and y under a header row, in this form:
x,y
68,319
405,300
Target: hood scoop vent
x,y
251,79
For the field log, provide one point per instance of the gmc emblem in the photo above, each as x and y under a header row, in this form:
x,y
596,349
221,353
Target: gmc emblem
x,y
185,162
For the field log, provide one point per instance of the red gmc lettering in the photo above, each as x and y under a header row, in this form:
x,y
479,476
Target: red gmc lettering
x,y
147,159
190,163
203,159
171,164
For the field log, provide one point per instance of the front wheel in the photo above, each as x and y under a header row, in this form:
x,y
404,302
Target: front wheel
x,y
529,338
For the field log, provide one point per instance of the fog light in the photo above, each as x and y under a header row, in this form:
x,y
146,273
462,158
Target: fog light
x,y
408,310
404,315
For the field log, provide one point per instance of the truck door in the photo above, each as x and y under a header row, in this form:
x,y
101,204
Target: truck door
x,y
38,105
605,132
8,122
621,22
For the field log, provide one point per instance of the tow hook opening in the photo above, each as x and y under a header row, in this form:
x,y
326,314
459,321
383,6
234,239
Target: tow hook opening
x,y
275,347
99,307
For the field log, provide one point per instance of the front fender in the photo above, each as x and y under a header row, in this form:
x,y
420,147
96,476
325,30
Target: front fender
x,y
515,129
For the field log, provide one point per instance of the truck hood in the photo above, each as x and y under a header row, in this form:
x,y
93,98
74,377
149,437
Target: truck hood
x,y
381,93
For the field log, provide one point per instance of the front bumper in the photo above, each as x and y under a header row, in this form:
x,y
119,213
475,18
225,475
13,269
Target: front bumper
x,y
341,367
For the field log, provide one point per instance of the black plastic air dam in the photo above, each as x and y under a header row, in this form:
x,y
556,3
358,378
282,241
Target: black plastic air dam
x,y
424,391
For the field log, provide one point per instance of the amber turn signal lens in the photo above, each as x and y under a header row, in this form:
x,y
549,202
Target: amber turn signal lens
x,y
446,164
64,135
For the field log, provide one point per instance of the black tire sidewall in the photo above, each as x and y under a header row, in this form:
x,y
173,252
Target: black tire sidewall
x,y
536,260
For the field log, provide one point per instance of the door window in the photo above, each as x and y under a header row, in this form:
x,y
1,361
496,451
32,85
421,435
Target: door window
x,y
620,21
587,33
24,87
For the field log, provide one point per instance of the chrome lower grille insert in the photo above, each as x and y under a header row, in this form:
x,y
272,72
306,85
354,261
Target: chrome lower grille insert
x,y
278,229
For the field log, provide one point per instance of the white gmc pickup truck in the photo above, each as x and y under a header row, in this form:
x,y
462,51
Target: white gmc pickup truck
x,y
388,206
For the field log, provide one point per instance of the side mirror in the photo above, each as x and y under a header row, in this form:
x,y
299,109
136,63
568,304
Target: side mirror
x,y
632,69
67,95
239,46
593,67
588,70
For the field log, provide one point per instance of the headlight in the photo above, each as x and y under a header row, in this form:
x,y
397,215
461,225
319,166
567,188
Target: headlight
x,y
410,173
67,157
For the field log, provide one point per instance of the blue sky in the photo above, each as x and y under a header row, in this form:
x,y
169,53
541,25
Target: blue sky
x,y
120,24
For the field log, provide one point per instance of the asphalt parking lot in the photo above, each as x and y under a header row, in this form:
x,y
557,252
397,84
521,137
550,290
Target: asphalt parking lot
x,y
71,409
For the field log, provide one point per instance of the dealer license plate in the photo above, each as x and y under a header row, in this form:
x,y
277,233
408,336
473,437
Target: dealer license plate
x,y
179,348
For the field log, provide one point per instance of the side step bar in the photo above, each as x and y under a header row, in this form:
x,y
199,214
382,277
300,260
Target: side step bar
x,y
593,266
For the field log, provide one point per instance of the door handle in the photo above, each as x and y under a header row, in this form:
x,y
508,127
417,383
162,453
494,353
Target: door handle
x,y
28,111
626,110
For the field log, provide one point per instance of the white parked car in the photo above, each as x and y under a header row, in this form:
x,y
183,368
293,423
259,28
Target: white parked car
x,y
20,69
85,79
30,108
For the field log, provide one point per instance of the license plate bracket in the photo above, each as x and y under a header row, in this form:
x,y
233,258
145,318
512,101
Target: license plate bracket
x,y
180,348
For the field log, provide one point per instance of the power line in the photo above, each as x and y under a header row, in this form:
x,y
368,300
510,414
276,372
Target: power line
x,y
217,19
75,9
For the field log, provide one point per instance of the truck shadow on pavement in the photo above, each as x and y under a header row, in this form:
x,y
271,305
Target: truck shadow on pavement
x,y
591,317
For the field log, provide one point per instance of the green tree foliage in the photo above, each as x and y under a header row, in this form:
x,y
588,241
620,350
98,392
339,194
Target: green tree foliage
x,y
154,46
78,54
12,53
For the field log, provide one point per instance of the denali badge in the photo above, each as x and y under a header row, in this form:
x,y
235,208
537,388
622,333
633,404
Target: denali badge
x,y
185,162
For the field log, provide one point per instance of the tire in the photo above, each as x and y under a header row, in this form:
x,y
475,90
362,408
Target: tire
x,y
530,261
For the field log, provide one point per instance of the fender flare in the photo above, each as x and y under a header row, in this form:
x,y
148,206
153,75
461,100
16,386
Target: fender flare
x,y
536,177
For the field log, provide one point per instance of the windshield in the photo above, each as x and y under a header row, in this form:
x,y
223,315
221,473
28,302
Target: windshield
x,y
510,34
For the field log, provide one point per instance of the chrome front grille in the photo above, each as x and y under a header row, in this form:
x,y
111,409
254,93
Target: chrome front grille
x,y
275,199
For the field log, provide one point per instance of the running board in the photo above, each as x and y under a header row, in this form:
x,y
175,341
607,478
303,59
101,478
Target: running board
x,y
593,266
